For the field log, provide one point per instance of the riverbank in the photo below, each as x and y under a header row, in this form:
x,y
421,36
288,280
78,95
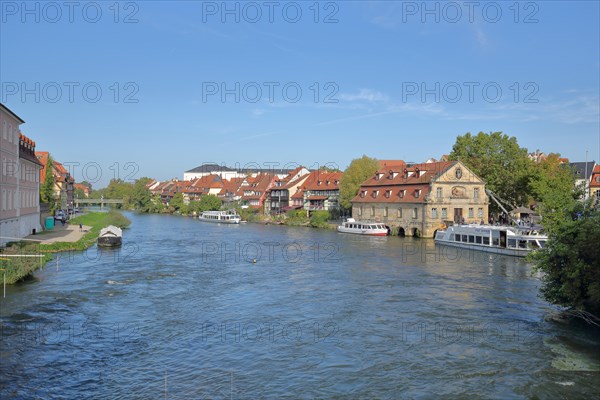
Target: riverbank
x,y
23,258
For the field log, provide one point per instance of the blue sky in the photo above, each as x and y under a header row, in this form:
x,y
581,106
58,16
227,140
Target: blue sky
x,y
395,80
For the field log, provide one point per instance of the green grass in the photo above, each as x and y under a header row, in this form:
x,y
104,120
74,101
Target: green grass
x,y
18,268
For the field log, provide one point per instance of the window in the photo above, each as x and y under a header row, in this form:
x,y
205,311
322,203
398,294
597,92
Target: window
x,y
457,237
439,193
486,240
372,211
399,213
434,213
385,212
401,193
471,213
360,210
512,243
597,194
417,193
476,193
415,213
478,239
471,239
387,194
363,193
480,212
444,213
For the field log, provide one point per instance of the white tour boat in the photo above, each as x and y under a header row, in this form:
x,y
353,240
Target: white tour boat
x,y
513,241
224,217
363,228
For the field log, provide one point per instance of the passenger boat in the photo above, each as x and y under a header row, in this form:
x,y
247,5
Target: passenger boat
x,y
363,228
110,236
224,217
508,240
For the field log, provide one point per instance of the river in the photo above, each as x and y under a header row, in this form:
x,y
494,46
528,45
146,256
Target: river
x,y
187,309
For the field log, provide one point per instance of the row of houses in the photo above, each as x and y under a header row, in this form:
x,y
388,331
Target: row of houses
x,y
274,191
23,171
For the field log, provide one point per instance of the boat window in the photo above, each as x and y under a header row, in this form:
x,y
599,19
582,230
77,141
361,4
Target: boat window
x,y
478,239
486,240
512,243
542,243
533,244
465,238
522,244
471,239
457,237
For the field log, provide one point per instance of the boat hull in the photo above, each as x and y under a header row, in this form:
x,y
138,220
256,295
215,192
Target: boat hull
x,y
109,241
229,221
362,232
487,249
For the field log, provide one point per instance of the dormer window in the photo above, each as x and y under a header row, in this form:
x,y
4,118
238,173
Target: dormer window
x,y
388,193
375,193
417,193
401,193
327,182
318,183
363,193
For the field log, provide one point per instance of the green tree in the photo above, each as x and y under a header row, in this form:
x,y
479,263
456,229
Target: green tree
x,y
358,171
499,161
318,219
177,201
210,203
552,185
570,262
141,198
47,187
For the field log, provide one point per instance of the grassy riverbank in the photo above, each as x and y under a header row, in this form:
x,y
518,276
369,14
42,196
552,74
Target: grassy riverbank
x,y
17,268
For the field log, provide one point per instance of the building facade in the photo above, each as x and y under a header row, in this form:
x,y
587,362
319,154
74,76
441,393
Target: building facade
x,y
416,200
19,180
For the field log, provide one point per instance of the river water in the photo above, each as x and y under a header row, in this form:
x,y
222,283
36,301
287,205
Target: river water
x,y
187,309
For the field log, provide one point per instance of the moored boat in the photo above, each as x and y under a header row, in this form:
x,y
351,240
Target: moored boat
x,y
363,228
110,236
508,240
224,217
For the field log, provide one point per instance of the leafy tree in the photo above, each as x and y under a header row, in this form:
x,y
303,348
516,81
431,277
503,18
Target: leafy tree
x,y
358,171
177,201
210,203
141,198
552,185
47,187
570,262
318,219
499,161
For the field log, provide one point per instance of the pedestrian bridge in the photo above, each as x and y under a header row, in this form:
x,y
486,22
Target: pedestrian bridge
x,y
102,202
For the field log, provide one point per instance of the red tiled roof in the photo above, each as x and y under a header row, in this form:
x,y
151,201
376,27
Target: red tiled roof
x,y
397,176
383,164
323,180
318,197
386,194
231,186
42,156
